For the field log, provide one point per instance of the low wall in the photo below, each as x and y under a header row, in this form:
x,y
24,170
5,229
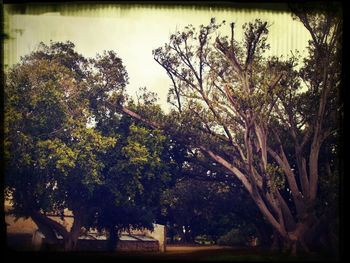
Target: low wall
x,y
158,233
92,245
152,246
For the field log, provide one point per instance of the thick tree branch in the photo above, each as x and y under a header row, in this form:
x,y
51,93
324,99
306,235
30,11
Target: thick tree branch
x,y
288,217
230,55
42,219
133,114
284,164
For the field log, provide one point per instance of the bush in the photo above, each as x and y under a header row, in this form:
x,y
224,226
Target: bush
x,y
232,238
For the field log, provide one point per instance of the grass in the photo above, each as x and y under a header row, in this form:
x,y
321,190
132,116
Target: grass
x,y
225,254
175,253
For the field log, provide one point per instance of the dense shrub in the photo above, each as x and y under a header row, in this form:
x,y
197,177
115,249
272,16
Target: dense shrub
x,y
232,238
239,236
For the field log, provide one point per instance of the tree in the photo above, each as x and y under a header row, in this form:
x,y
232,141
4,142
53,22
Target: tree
x,y
67,148
322,74
134,177
237,104
53,154
202,207
205,200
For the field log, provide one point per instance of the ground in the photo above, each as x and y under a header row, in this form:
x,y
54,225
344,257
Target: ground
x,y
178,253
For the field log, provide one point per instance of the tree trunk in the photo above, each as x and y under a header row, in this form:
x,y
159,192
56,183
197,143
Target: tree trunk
x,y
263,235
297,246
113,238
171,232
320,226
50,236
71,240
189,238
70,243
49,228
276,242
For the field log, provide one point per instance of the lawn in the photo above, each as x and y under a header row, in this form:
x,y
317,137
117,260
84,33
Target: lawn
x,y
195,253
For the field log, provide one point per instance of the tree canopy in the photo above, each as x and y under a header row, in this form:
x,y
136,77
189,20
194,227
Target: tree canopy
x,y
65,148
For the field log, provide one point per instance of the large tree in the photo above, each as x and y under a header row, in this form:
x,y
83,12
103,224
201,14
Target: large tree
x,y
67,148
135,174
52,157
245,111
53,153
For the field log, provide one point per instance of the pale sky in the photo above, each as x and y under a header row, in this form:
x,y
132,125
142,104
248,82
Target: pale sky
x,y
135,31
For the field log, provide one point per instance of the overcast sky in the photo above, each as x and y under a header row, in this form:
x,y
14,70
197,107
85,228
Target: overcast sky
x,y
134,31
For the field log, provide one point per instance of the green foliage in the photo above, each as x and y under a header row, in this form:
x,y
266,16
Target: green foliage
x,y
209,208
232,238
58,153
276,176
237,236
53,155
136,150
67,147
134,176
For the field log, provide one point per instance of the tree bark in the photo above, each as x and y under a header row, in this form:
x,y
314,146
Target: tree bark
x,y
50,226
264,235
276,244
49,233
71,240
113,238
